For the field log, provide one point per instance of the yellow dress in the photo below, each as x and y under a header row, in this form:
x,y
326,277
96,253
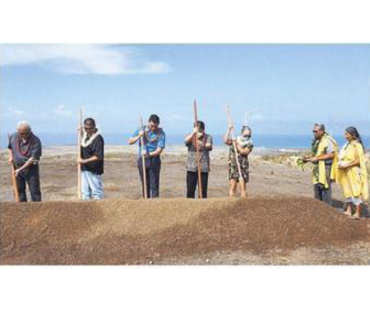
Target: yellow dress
x,y
353,180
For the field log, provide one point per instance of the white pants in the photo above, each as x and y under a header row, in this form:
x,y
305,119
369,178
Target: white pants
x,y
356,201
92,186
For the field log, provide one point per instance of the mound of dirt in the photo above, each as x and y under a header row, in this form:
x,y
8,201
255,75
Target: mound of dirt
x,y
167,231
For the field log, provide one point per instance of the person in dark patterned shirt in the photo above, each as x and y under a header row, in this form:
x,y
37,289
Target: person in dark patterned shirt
x,y
245,146
205,146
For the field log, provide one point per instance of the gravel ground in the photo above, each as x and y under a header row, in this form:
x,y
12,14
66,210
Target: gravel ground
x,y
276,230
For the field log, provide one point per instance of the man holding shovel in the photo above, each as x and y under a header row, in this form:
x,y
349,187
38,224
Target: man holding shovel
x,y
154,140
205,146
25,151
91,161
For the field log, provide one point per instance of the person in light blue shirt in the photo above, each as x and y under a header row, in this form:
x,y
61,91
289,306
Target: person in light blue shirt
x,y
154,143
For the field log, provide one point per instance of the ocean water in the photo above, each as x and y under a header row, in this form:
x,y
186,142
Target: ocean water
x,y
260,141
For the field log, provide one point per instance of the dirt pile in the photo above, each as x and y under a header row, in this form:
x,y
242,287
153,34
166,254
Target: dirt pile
x,y
166,231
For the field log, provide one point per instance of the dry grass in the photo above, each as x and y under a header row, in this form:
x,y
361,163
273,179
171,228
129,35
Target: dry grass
x,y
287,159
368,165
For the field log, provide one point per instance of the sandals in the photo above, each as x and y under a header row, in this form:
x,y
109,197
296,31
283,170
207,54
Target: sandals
x,y
355,217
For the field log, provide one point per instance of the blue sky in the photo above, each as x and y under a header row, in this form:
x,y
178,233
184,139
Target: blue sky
x,y
288,87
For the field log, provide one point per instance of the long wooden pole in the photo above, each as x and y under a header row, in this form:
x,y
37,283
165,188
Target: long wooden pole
x,y
143,161
14,181
241,179
79,138
200,190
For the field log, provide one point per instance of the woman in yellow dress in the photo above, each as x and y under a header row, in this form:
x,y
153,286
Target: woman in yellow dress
x,y
352,173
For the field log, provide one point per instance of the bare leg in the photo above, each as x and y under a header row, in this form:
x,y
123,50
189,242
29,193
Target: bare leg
x,y
357,214
348,210
243,188
233,186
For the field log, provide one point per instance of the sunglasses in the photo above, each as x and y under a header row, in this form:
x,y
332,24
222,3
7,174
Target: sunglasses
x,y
88,128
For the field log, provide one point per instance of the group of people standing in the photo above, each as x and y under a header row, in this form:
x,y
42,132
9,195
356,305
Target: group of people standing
x,y
346,167
199,145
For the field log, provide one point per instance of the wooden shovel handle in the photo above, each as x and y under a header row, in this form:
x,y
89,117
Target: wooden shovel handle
x,y
241,179
15,184
79,139
143,161
14,179
200,189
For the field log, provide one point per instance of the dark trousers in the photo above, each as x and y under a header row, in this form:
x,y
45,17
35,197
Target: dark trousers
x,y
192,182
153,170
321,193
30,176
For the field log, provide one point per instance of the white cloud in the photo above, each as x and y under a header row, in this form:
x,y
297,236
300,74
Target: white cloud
x,y
15,112
61,110
256,117
82,59
175,118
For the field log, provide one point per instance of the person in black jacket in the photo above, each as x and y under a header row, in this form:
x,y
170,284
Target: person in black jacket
x,y
92,161
25,152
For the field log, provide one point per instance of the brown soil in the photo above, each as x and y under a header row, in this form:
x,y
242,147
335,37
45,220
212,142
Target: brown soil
x,y
262,230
